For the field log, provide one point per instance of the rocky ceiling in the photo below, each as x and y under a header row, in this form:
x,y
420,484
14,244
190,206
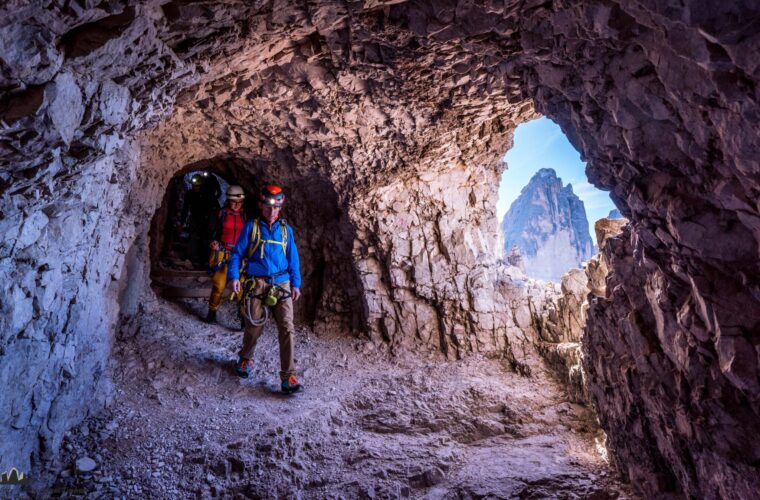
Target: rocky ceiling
x,y
387,120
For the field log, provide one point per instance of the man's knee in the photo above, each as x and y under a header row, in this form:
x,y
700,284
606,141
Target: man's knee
x,y
253,331
284,312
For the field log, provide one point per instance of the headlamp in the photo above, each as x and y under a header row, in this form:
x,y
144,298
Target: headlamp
x,y
272,195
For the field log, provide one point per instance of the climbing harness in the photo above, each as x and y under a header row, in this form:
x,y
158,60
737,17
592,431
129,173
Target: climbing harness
x,y
220,256
270,297
218,260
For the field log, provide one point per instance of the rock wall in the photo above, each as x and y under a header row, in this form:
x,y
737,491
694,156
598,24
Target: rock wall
x,y
75,198
60,302
360,98
703,386
429,267
651,94
559,316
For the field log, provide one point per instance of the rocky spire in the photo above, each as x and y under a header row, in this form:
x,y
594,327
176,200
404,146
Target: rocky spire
x,y
548,223
615,214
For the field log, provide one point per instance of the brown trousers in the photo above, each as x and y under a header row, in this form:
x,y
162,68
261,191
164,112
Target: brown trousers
x,y
283,316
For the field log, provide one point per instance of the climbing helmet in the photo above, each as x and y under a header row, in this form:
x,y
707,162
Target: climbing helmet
x,y
272,195
235,193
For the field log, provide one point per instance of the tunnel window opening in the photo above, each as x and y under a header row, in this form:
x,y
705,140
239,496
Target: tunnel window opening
x,y
547,207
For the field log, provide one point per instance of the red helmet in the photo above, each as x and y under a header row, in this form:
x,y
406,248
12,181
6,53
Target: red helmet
x,y
272,195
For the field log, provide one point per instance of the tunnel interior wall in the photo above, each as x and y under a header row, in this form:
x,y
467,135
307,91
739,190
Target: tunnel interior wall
x,y
66,243
427,251
160,240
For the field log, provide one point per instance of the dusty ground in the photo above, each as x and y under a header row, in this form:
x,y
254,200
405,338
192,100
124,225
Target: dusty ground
x,y
367,426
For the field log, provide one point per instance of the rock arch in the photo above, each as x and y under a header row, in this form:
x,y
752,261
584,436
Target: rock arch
x,y
400,109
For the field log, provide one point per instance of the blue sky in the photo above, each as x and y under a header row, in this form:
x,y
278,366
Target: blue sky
x,y
541,144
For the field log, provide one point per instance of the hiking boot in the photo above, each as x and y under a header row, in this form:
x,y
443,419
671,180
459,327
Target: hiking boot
x,y
290,385
244,367
211,317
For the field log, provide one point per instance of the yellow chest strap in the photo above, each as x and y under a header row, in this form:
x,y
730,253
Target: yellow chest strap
x,y
258,243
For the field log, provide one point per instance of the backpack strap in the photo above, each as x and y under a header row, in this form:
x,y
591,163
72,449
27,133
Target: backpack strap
x,y
284,229
255,242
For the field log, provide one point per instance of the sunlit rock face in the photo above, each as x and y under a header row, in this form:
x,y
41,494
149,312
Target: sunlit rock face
x,y
560,319
598,267
548,223
560,312
386,120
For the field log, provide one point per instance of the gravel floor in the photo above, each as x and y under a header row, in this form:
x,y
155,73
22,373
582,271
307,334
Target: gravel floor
x,y
368,425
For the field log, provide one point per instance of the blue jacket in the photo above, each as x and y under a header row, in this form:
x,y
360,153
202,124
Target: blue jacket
x,y
274,260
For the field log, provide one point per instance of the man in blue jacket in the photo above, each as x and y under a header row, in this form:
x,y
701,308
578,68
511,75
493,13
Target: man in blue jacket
x,y
272,259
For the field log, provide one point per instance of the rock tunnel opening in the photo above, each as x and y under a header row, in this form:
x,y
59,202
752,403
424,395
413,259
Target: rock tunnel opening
x,y
177,233
180,271
547,207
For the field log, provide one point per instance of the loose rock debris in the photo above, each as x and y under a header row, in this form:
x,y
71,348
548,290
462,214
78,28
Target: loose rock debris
x,y
368,425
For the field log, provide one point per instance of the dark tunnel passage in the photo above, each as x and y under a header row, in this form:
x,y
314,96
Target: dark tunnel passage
x,y
311,208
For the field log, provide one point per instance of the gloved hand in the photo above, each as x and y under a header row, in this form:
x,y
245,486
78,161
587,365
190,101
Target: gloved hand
x,y
236,286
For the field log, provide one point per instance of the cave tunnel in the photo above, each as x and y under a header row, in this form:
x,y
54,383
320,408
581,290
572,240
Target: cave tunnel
x,y
430,366
312,210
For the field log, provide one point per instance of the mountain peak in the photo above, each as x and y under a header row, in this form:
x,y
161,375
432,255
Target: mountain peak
x,y
545,172
548,223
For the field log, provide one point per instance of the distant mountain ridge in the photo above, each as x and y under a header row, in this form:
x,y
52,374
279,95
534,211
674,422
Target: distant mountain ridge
x,y
615,214
548,223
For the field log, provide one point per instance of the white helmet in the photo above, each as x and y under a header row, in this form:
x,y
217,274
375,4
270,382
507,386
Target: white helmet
x,y
235,193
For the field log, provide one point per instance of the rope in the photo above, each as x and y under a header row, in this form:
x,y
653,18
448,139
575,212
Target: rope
x,y
248,309
249,297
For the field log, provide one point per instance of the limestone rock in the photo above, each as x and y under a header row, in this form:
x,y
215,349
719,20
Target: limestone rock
x,y
598,267
65,107
515,258
560,316
652,342
28,54
387,121
31,230
86,464
547,222
114,103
